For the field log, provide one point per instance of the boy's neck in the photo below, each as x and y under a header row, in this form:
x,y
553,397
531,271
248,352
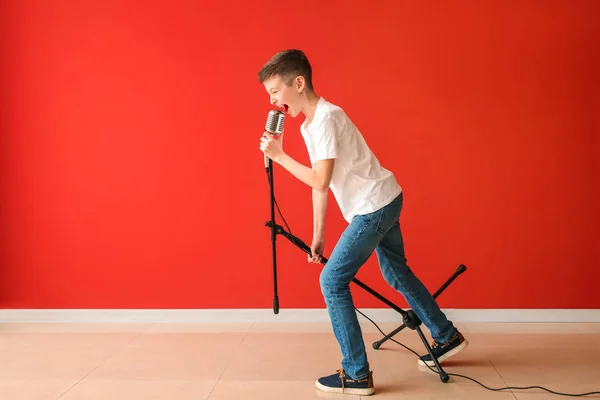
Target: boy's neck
x,y
310,107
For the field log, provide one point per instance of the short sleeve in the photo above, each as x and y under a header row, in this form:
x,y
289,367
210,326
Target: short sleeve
x,y
308,143
325,140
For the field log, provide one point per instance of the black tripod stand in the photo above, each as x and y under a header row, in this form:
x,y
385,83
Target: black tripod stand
x,y
461,268
409,318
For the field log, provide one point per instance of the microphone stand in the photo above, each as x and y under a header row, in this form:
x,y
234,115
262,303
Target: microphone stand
x,y
271,223
410,319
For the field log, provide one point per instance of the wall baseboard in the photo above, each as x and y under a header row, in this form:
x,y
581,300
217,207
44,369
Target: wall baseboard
x,y
285,315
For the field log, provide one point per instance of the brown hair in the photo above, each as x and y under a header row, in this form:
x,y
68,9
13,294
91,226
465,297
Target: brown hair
x,y
288,64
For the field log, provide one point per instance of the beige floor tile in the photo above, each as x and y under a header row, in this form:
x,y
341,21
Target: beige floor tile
x,y
281,363
406,337
52,363
273,390
589,327
190,339
72,327
388,327
520,327
542,366
572,388
392,366
282,360
308,356
29,389
289,339
325,327
434,391
48,340
140,390
165,363
193,327
322,327
576,340
323,335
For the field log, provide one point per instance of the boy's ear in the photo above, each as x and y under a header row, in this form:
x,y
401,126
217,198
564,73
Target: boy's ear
x,y
300,83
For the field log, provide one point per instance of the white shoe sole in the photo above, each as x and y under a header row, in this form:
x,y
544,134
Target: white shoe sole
x,y
361,392
446,356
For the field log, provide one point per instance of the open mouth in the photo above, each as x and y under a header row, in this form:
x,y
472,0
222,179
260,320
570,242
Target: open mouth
x,y
285,106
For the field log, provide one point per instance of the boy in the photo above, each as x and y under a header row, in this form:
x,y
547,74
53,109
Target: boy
x,y
370,200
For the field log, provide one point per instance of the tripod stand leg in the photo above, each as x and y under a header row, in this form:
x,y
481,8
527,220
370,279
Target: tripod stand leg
x,y
411,320
304,247
461,268
443,375
387,337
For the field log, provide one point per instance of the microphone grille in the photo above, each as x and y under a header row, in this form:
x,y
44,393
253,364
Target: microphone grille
x,y
275,121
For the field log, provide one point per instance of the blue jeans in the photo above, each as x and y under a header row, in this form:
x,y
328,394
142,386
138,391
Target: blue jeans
x,y
379,231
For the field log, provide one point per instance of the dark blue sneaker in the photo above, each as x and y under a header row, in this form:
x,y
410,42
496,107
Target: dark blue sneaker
x,y
443,351
342,383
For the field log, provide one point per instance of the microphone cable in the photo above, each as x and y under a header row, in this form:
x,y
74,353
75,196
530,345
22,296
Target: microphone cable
x,y
418,356
475,380
278,210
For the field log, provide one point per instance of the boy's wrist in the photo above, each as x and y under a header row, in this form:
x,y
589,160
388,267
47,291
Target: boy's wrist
x,y
280,157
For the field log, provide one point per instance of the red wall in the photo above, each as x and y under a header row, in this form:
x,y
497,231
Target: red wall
x,y
131,175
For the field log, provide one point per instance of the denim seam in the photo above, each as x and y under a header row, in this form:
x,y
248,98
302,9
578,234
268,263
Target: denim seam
x,y
342,258
406,290
380,222
354,238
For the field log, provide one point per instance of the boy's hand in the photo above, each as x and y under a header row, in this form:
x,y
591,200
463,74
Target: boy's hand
x,y
316,248
271,146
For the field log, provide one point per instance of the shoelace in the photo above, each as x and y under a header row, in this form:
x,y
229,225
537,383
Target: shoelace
x,y
435,345
342,377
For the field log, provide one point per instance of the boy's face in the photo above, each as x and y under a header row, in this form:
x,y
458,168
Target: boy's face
x,y
284,96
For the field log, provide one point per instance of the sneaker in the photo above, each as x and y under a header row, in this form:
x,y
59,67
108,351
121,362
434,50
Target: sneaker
x,y
342,383
443,351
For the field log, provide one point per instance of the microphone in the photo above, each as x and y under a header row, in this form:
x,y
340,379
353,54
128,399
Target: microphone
x,y
274,126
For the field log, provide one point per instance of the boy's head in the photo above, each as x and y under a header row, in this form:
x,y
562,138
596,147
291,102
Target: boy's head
x,y
287,77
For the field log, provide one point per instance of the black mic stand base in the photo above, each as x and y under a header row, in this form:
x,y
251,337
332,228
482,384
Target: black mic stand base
x,y
409,318
461,268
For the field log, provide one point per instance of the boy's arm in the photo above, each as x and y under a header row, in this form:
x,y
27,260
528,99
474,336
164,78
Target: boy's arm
x,y
319,177
319,202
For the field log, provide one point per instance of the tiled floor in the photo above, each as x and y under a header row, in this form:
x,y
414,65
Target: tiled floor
x,y
249,361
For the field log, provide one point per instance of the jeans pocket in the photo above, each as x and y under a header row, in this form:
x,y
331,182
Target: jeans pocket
x,y
382,225
388,216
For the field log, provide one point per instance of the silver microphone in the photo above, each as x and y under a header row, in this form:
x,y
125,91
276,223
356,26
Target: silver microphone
x,y
274,126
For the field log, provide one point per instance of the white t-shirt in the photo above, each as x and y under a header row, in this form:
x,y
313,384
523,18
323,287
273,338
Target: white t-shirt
x,y
359,183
